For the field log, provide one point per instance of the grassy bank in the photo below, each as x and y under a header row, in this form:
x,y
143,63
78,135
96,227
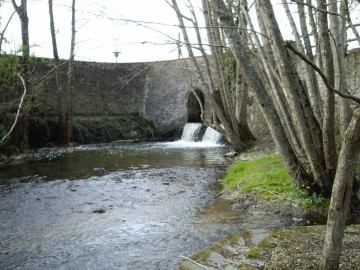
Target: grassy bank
x,y
268,179
299,247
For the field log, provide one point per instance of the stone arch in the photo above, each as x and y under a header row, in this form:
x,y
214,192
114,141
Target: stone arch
x,y
194,109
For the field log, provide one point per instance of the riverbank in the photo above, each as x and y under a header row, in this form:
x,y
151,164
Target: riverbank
x,y
296,247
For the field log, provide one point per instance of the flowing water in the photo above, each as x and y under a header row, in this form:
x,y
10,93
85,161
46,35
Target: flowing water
x,y
115,206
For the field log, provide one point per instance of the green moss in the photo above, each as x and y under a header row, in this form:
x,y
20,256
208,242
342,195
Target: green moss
x,y
181,267
248,267
268,179
108,129
233,239
260,251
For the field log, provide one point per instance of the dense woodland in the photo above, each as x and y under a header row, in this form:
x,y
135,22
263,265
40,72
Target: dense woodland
x,y
300,86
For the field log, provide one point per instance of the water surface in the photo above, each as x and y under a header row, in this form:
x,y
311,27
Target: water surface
x,y
115,206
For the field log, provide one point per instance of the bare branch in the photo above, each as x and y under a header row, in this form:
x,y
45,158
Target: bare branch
x,y
19,108
347,18
198,264
290,46
317,9
49,73
3,32
353,28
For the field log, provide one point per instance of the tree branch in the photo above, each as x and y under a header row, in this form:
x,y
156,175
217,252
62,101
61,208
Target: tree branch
x,y
198,264
3,32
49,73
19,108
318,9
289,45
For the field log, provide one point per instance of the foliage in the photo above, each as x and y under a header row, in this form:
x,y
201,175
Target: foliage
x,y
9,67
5,148
268,178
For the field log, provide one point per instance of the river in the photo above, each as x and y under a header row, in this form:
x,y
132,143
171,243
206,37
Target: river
x,y
114,206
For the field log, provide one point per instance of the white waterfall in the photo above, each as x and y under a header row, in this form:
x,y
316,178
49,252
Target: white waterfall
x,y
211,136
193,133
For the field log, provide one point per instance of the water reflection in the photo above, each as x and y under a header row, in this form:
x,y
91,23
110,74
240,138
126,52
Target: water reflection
x,y
85,161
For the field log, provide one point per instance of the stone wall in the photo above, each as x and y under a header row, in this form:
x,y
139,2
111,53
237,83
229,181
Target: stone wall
x,y
353,75
157,91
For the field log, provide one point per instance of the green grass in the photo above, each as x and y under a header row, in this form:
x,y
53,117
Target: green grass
x,y
268,179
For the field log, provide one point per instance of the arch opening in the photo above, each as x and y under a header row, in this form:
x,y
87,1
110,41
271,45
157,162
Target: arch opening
x,y
194,109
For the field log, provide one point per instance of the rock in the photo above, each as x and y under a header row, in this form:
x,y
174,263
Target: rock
x,y
191,265
216,259
230,249
231,154
254,263
99,211
241,242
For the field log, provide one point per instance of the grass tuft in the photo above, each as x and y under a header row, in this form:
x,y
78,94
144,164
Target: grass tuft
x,y
268,179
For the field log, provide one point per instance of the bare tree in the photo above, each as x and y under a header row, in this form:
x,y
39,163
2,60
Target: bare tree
x,y
223,109
20,129
287,93
61,95
71,81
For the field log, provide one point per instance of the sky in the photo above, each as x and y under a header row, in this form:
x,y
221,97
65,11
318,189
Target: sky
x,y
140,30
103,27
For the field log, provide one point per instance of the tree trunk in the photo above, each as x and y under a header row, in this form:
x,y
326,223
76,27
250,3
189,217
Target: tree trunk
x,y
71,81
219,111
308,131
21,128
311,82
60,94
329,96
341,195
338,32
276,95
266,105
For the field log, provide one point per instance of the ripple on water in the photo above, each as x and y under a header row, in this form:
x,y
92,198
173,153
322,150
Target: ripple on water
x,y
148,211
112,207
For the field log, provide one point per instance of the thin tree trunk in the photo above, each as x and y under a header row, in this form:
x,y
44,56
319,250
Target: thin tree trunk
x,y
311,82
53,34
71,80
266,105
302,115
21,128
60,94
222,116
341,195
218,56
338,32
4,29
329,96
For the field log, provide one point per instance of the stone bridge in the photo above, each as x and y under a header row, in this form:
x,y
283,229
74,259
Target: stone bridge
x,y
158,91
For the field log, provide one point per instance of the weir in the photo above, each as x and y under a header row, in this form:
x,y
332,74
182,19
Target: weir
x,y
198,132
192,132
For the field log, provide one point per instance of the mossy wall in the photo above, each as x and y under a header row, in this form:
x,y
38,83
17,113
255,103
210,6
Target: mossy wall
x,y
156,91
44,131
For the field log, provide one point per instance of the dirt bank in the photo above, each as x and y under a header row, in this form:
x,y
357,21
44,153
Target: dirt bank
x,y
298,247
